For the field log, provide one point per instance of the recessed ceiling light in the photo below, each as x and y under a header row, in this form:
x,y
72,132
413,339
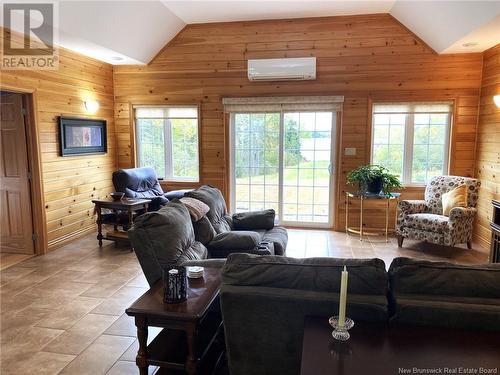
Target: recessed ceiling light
x,y
470,44
117,58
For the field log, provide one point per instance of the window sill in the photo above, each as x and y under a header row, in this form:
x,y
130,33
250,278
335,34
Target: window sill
x,y
414,186
179,181
177,185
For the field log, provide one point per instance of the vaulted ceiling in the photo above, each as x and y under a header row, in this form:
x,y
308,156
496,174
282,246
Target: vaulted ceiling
x,y
133,32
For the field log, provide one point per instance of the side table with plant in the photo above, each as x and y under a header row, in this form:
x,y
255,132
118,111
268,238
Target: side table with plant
x,y
374,179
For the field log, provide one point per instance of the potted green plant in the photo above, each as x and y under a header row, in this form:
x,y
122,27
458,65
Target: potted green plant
x,y
374,179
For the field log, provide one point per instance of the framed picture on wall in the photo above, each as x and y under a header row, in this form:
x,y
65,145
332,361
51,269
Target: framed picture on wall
x,y
79,136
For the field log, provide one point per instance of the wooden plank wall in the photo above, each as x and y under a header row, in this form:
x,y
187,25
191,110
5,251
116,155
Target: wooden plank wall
x,y
364,58
488,144
69,183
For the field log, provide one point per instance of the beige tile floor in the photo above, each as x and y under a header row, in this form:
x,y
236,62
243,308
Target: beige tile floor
x,y
63,313
9,259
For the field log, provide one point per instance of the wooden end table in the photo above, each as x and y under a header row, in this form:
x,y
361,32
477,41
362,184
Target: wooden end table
x,y
376,348
192,338
128,205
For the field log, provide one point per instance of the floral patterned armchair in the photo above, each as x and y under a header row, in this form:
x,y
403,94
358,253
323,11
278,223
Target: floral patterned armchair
x,y
424,220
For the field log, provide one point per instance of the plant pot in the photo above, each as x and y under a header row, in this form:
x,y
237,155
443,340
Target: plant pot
x,y
375,186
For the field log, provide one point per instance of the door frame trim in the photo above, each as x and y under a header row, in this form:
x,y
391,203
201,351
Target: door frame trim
x,y
35,167
334,176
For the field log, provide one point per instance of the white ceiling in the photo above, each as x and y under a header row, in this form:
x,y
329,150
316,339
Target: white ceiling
x,y
442,23
133,32
485,36
224,11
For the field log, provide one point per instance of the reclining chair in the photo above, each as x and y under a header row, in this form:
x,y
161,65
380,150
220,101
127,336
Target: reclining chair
x,y
143,183
166,237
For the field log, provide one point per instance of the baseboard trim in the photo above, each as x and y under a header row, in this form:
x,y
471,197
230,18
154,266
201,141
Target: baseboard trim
x,y
59,242
485,242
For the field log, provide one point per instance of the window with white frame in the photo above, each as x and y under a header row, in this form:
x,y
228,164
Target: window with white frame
x,y
167,140
412,139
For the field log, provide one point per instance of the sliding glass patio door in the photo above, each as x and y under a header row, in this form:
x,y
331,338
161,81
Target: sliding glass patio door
x,y
283,160
256,165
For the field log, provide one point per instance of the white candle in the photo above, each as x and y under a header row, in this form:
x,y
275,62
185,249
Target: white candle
x,y
343,297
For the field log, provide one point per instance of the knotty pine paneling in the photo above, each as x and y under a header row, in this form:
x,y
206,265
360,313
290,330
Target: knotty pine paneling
x,y
365,58
488,144
69,183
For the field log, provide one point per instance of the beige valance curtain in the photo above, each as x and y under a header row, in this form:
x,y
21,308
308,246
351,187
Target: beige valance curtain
x,y
164,112
416,107
283,103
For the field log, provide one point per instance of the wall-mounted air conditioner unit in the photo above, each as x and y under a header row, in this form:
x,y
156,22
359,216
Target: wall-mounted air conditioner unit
x,y
289,69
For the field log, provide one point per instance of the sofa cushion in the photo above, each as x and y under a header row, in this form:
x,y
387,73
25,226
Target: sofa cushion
x,y
235,240
278,236
254,220
164,237
197,251
204,232
445,294
366,276
427,222
412,276
217,214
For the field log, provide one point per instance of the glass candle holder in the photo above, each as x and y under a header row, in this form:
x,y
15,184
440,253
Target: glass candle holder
x,y
175,284
341,332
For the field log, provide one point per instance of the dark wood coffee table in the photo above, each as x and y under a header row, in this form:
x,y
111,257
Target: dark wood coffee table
x,y
375,348
192,339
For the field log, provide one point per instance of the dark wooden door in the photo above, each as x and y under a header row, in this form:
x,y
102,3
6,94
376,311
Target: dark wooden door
x,y
15,198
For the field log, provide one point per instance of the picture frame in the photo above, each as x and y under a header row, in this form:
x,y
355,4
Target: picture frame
x,y
80,136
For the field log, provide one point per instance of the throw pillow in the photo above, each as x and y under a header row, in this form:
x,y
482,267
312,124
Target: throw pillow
x,y
197,209
454,198
254,220
204,232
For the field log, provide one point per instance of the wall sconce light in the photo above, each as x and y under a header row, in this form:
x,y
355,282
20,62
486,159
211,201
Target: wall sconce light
x,y
91,106
496,99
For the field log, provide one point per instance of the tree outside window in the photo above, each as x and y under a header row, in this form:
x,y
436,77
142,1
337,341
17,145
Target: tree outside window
x,y
412,139
167,140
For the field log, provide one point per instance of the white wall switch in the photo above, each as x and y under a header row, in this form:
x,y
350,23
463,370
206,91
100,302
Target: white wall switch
x,y
350,151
